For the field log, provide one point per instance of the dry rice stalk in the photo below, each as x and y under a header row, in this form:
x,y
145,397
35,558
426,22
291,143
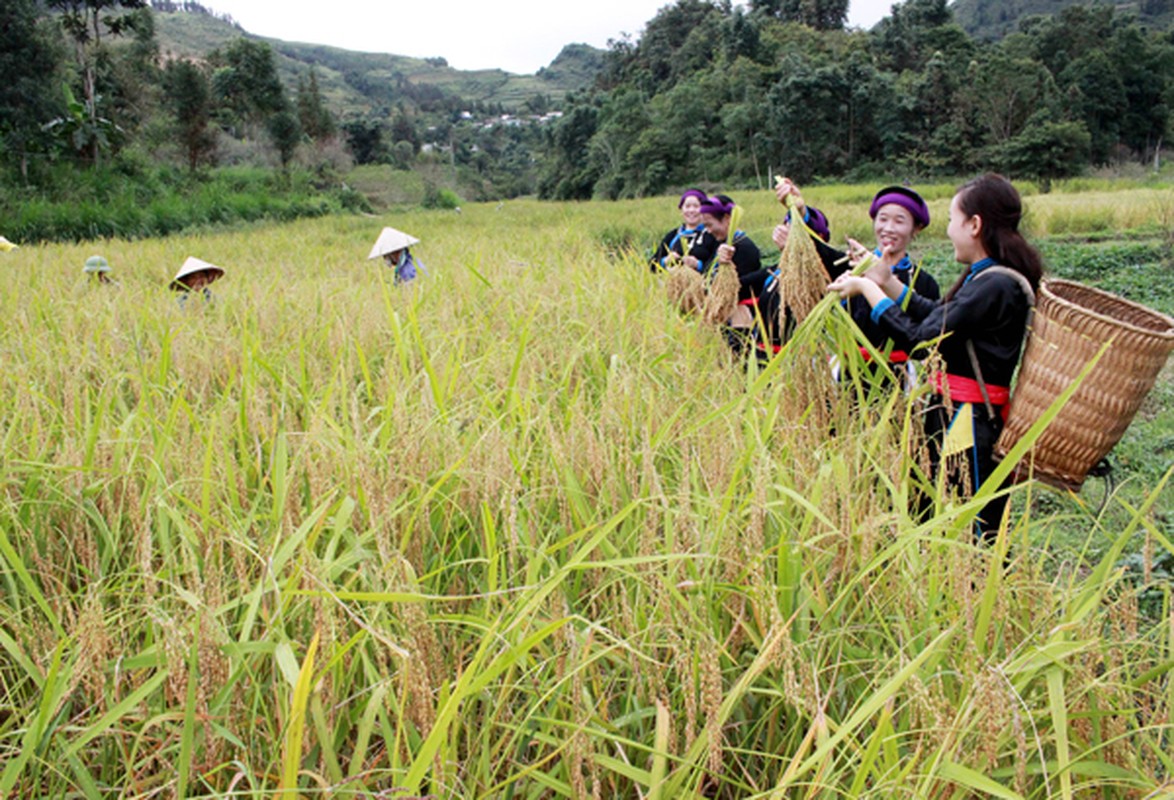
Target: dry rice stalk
x,y
686,289
711,701
723,295
93,646
802,278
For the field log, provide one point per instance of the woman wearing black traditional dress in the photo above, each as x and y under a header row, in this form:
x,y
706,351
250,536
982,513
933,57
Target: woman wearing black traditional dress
x,y
981,325
675,246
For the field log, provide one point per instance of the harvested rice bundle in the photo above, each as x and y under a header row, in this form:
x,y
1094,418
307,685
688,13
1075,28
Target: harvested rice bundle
x,y
802,278
723,291
723,295
686,289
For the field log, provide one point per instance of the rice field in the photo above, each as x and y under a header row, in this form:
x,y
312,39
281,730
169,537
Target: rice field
x,y
521,530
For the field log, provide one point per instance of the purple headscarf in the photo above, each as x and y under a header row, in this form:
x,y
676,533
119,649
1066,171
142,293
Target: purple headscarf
x,y
817,222
906,198
717,206
700,195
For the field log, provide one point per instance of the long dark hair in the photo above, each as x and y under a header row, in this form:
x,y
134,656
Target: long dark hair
x,y
992,198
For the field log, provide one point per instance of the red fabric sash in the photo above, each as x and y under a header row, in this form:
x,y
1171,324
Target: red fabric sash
x,y
966,390
895,357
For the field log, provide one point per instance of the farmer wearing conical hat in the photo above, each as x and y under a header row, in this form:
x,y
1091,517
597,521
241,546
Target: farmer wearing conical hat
x,y
195,276
97,269
393,246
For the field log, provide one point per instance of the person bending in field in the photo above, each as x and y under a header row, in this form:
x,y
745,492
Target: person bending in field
x,y
981,324
720,246
393,246
195,277
97,270
676,246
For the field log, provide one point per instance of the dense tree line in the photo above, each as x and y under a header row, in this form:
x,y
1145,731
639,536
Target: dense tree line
x,y
711,93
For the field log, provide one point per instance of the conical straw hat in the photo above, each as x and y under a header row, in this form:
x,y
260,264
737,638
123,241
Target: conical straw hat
x,y
192,266
6,245
391,240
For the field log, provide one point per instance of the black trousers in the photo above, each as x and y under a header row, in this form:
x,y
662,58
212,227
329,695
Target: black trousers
x,y
979,460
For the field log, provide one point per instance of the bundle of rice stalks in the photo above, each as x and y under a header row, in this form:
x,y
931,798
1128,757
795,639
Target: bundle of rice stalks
x,y
723,292
686,289
802,278
723,295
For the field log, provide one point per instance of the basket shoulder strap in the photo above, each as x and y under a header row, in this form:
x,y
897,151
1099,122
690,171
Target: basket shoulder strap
x,y
1025,286
1014,275
986,396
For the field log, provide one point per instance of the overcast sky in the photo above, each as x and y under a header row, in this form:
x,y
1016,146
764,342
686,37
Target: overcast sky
x,y
515,35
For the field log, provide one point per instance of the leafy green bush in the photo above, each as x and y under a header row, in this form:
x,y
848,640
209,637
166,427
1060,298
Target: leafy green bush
x,y
132,200
440,198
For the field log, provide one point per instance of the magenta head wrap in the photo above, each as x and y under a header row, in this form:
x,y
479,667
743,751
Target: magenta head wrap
x,y
700,195
906,198
717,206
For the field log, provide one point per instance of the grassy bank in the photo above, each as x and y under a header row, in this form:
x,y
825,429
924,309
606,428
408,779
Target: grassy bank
x,y
128,202
520,530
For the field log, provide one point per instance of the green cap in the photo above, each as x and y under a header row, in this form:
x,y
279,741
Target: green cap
x,y
96,264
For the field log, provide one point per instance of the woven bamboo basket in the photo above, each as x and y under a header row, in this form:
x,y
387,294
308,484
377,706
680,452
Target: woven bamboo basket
x,y
1071,323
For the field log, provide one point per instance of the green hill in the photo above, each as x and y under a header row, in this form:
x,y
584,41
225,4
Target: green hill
x,y
358,82
994,19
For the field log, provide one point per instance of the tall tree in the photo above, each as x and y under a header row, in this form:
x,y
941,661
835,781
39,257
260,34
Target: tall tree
x,y
1095,95
569,173
85,22
364,138
286,133
30,89
823,15
1005,92
917,29
189,95
245,83
316,120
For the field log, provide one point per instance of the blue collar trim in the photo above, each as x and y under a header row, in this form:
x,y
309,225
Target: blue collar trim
x,y
904,265
978,266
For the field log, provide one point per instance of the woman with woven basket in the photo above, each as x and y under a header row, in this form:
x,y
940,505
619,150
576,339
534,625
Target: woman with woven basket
x,y
978,329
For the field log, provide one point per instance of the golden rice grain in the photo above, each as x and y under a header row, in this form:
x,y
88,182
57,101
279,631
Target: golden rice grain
x,y
722,298
686,289
802,278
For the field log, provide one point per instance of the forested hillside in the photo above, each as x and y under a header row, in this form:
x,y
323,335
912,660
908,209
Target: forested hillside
x,y
120,117
717,95
353,82
993,19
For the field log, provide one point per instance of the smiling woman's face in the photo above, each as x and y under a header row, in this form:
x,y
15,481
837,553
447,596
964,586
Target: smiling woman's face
x,y
718,226
893,227
691,211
